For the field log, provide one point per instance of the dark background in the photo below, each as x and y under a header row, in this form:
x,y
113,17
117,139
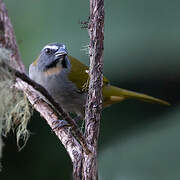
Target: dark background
x,y
138,140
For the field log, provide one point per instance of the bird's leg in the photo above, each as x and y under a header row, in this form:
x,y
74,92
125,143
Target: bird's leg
x,y
58,124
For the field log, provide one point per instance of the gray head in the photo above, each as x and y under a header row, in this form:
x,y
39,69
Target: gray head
x,y
51,55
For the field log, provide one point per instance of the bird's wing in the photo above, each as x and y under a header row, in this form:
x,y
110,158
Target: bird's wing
x,y
79,74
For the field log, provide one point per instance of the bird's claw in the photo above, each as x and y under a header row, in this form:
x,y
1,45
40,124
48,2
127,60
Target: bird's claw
x,y
58,124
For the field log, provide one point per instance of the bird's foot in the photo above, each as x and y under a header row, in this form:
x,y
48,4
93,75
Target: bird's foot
x,y
58,124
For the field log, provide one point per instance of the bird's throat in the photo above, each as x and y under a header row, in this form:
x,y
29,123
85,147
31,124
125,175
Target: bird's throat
x,y
53,64
54,68
53,71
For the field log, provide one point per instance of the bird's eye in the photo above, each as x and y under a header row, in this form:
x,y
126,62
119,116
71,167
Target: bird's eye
x,y
48,51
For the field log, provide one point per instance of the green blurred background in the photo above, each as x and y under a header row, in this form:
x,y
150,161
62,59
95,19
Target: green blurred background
x,y
138,141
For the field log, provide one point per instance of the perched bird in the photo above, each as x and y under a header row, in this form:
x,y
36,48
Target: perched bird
x,y
66,79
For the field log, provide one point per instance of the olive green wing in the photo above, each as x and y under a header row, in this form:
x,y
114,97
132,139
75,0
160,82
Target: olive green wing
x,y
79,74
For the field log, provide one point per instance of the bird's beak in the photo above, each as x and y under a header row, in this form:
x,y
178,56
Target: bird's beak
x,y
61,53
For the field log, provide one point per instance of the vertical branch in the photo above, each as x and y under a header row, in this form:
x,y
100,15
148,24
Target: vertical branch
x,y
94,101
7,38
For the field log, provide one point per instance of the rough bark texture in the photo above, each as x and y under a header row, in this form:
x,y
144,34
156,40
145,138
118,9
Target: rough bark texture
x,y
70,143
94,101
7,38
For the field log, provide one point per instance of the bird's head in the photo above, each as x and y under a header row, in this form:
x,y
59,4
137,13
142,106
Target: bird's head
x,y
53,57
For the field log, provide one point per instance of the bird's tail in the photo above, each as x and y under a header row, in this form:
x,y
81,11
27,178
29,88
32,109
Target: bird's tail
x,y
115,94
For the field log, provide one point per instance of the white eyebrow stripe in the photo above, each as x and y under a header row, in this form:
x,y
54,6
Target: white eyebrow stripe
x,y
53,47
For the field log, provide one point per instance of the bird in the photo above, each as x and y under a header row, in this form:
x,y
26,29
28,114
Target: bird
x,y
66,79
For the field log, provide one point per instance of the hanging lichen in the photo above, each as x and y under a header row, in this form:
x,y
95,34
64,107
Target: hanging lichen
x,y
15,111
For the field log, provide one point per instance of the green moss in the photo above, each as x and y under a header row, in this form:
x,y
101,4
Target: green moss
x,y
15,110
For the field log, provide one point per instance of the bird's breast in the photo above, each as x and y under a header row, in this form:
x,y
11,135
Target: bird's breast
x,y
64,91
